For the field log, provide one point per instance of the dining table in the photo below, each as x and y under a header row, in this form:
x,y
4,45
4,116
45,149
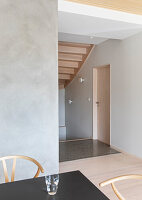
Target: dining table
x,y
72,186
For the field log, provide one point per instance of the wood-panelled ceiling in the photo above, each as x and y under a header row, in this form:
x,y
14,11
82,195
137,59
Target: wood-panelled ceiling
x,y
129,6
71,57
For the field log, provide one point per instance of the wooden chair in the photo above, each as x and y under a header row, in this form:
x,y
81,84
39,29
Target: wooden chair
x,y
3,159
120,178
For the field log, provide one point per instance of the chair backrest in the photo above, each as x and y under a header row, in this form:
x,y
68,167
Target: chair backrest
x,y
119,178
3,159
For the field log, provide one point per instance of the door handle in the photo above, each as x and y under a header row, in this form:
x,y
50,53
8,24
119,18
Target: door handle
x,y
97,102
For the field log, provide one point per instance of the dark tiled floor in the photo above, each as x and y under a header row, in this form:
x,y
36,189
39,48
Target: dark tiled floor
x,y
73,150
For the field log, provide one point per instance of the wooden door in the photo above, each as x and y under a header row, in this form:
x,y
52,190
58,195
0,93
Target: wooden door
x,y
102,103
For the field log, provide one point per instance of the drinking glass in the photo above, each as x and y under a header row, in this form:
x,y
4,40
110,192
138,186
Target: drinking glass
x,y
52,183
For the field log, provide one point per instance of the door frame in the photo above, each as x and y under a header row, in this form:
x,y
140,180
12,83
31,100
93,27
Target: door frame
x,y
95,137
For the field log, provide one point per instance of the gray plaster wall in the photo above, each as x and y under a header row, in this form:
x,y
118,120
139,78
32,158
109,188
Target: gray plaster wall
x,y
28,83
62,126
125,58
79,113
62,107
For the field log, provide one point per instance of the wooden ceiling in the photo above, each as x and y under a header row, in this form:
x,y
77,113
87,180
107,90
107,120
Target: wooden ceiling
x,y
71,57
129,6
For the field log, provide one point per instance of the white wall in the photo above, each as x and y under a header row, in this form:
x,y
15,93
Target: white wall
x,y
125,58
62,127
29,82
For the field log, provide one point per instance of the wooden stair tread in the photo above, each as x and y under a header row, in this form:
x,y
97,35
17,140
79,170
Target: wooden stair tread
x,y
71,57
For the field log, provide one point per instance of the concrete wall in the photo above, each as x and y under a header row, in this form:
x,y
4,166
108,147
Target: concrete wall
x,y
28,83
126,97
62,127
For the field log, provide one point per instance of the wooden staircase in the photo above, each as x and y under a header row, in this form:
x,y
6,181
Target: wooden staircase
x,y
71,57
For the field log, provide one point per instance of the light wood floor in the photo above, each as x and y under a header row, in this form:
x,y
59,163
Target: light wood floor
x,y
98,169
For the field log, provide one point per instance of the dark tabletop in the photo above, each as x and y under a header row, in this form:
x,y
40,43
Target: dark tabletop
x,y
72,186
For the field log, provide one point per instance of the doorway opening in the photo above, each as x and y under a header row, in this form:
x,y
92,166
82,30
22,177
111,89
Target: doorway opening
x,y
80,135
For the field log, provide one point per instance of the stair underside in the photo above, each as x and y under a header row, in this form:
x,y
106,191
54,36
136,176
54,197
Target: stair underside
x,y
71,57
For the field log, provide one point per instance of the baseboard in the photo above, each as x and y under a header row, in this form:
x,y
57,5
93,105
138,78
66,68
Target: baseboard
x,y
117,149
124,152
75,140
